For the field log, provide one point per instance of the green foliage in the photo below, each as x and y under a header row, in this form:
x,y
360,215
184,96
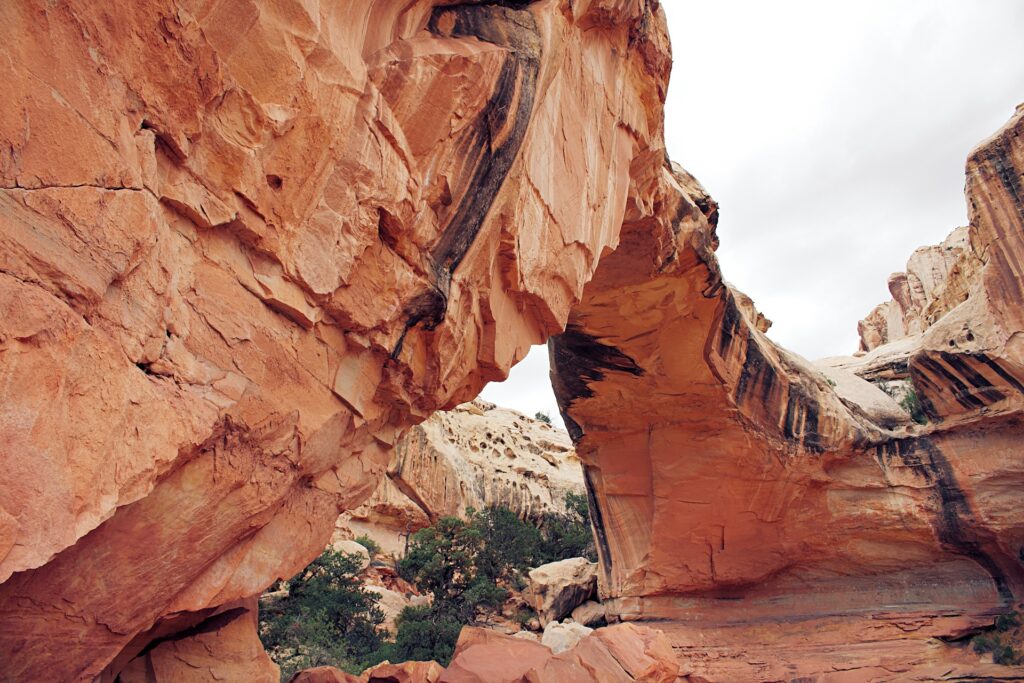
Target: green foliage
x,y
327,618
426,633
912,404
467,566
568,535
1007,622
542,416
1000,640
371,545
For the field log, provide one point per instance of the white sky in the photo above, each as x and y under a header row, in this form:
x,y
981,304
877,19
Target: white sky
x,y
833,135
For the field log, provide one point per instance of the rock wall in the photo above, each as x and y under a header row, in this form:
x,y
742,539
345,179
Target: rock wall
x,y
244,246
745,499
937,280
474,456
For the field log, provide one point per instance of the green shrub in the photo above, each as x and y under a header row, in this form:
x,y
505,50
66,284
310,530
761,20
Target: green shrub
x,y
371,545
542,416
1007,622
1000,640
426,633
568,535
327,618
912,404
467,566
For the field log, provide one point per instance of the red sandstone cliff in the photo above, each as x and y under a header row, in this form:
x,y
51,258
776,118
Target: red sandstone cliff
x,y
773,520
246,246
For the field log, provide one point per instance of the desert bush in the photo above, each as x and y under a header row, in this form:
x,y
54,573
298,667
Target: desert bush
x,y
327,618
1001,640
371,545
568,535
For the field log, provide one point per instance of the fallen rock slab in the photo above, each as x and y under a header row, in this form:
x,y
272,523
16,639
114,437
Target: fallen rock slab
x,y
557,588
591,613
560,637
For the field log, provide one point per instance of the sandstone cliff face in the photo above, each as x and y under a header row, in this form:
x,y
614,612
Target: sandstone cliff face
x,y
742,497
244,246
937,280
474,456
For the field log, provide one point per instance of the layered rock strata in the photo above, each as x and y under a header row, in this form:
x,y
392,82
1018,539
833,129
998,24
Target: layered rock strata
x,y
244,246
744,499
474,456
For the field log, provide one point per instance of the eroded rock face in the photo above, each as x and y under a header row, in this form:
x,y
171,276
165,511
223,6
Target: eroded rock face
x,y
245,246
745,497
937,280
474,456
224,647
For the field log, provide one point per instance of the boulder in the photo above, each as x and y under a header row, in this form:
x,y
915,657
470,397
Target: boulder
x,y
391,603
486,656
590,613
557,588
624,653
559,636
356,550
406,672
325,674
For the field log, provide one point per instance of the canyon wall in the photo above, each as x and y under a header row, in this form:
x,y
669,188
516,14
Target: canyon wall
x,y
244,246
474,456
782,519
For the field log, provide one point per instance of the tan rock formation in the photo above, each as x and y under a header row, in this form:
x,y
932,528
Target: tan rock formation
x,y
744,502
476,455
590,613
937,280
244,246
559,637
557,588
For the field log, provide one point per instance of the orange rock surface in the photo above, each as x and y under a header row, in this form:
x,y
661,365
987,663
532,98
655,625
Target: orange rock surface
x,y
615,654
775,523
244,246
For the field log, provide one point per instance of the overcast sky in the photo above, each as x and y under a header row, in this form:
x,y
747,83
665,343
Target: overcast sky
x,y
833,135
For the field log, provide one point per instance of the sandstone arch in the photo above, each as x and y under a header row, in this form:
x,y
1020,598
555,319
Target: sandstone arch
x,y
243,245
